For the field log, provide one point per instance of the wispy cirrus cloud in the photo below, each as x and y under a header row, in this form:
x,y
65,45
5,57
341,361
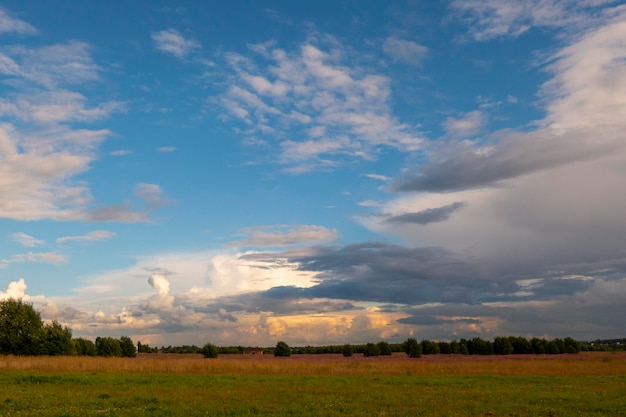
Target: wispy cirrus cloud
x,y
45,257
11,24
490,19
283,235
407,51
174,43
96,235
26,240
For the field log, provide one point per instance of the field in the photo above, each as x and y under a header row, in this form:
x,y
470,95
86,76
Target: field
x,y
588,384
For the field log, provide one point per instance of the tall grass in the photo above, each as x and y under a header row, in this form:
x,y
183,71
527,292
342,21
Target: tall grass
x,y
330,365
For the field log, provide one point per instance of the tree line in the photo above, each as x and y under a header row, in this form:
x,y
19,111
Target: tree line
x,y
23,332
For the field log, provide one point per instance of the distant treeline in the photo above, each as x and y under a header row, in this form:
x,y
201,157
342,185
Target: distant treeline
x,y
22,332
512,345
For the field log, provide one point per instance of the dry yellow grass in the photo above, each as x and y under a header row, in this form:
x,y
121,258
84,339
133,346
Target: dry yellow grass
x,y
332,365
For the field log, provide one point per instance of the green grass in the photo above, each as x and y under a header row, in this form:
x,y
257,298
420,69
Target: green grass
x,y
116,394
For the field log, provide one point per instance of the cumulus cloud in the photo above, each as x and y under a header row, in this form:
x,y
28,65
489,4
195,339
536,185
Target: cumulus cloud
x,y
15,290
173,42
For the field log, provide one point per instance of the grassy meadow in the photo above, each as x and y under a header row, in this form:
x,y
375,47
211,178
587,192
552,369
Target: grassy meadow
x,y
589,384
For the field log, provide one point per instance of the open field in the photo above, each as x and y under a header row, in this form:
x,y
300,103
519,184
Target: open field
x,y
314,385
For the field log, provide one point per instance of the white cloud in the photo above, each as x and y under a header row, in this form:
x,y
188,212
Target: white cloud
x,y
44,257
378,177
489,19
468,125
274,236
151,194
96,235
314,105
409,52
9,24
26,240
172,42
15,290
121,152
167,149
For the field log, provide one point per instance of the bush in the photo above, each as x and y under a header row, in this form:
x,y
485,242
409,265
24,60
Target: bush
x,y
128,347
282,349
84,347
384,348
371,349
347,350
108,346
412,348
209,351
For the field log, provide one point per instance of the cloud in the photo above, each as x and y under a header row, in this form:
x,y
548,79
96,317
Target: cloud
x,y
379,177
318,110
26,240
166,149
427,216
469,125
172,42
406,51
151,194
9,24
45,257
15,289
584,119
121,152
490,19
276,236
96,235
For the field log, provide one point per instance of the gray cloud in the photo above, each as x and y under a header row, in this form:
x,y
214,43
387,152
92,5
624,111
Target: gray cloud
x,y
434,215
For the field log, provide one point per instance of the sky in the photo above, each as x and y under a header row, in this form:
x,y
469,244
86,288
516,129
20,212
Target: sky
x,y
325,172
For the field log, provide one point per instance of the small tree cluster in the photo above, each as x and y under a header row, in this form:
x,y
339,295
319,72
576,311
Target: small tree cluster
x,y
282,349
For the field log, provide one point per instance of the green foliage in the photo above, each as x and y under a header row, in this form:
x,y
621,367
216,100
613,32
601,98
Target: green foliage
x,y
371,349
209,351
384,348
502,346
128,347
429,348
56,340
412,348
282,349
108,346
20,328
85,347
347,350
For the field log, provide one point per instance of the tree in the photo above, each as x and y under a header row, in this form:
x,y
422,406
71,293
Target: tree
x,y
429,347
108,346
85,347
347,350
502,346
384,348
209,351
371,349
128,347
20,328
56,340
412,348
282,349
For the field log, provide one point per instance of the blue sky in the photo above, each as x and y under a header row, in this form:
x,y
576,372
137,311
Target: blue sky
x,y
320,173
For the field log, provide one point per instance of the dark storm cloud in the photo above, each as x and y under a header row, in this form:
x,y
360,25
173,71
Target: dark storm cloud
x,y
397,275
424,217
516,154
